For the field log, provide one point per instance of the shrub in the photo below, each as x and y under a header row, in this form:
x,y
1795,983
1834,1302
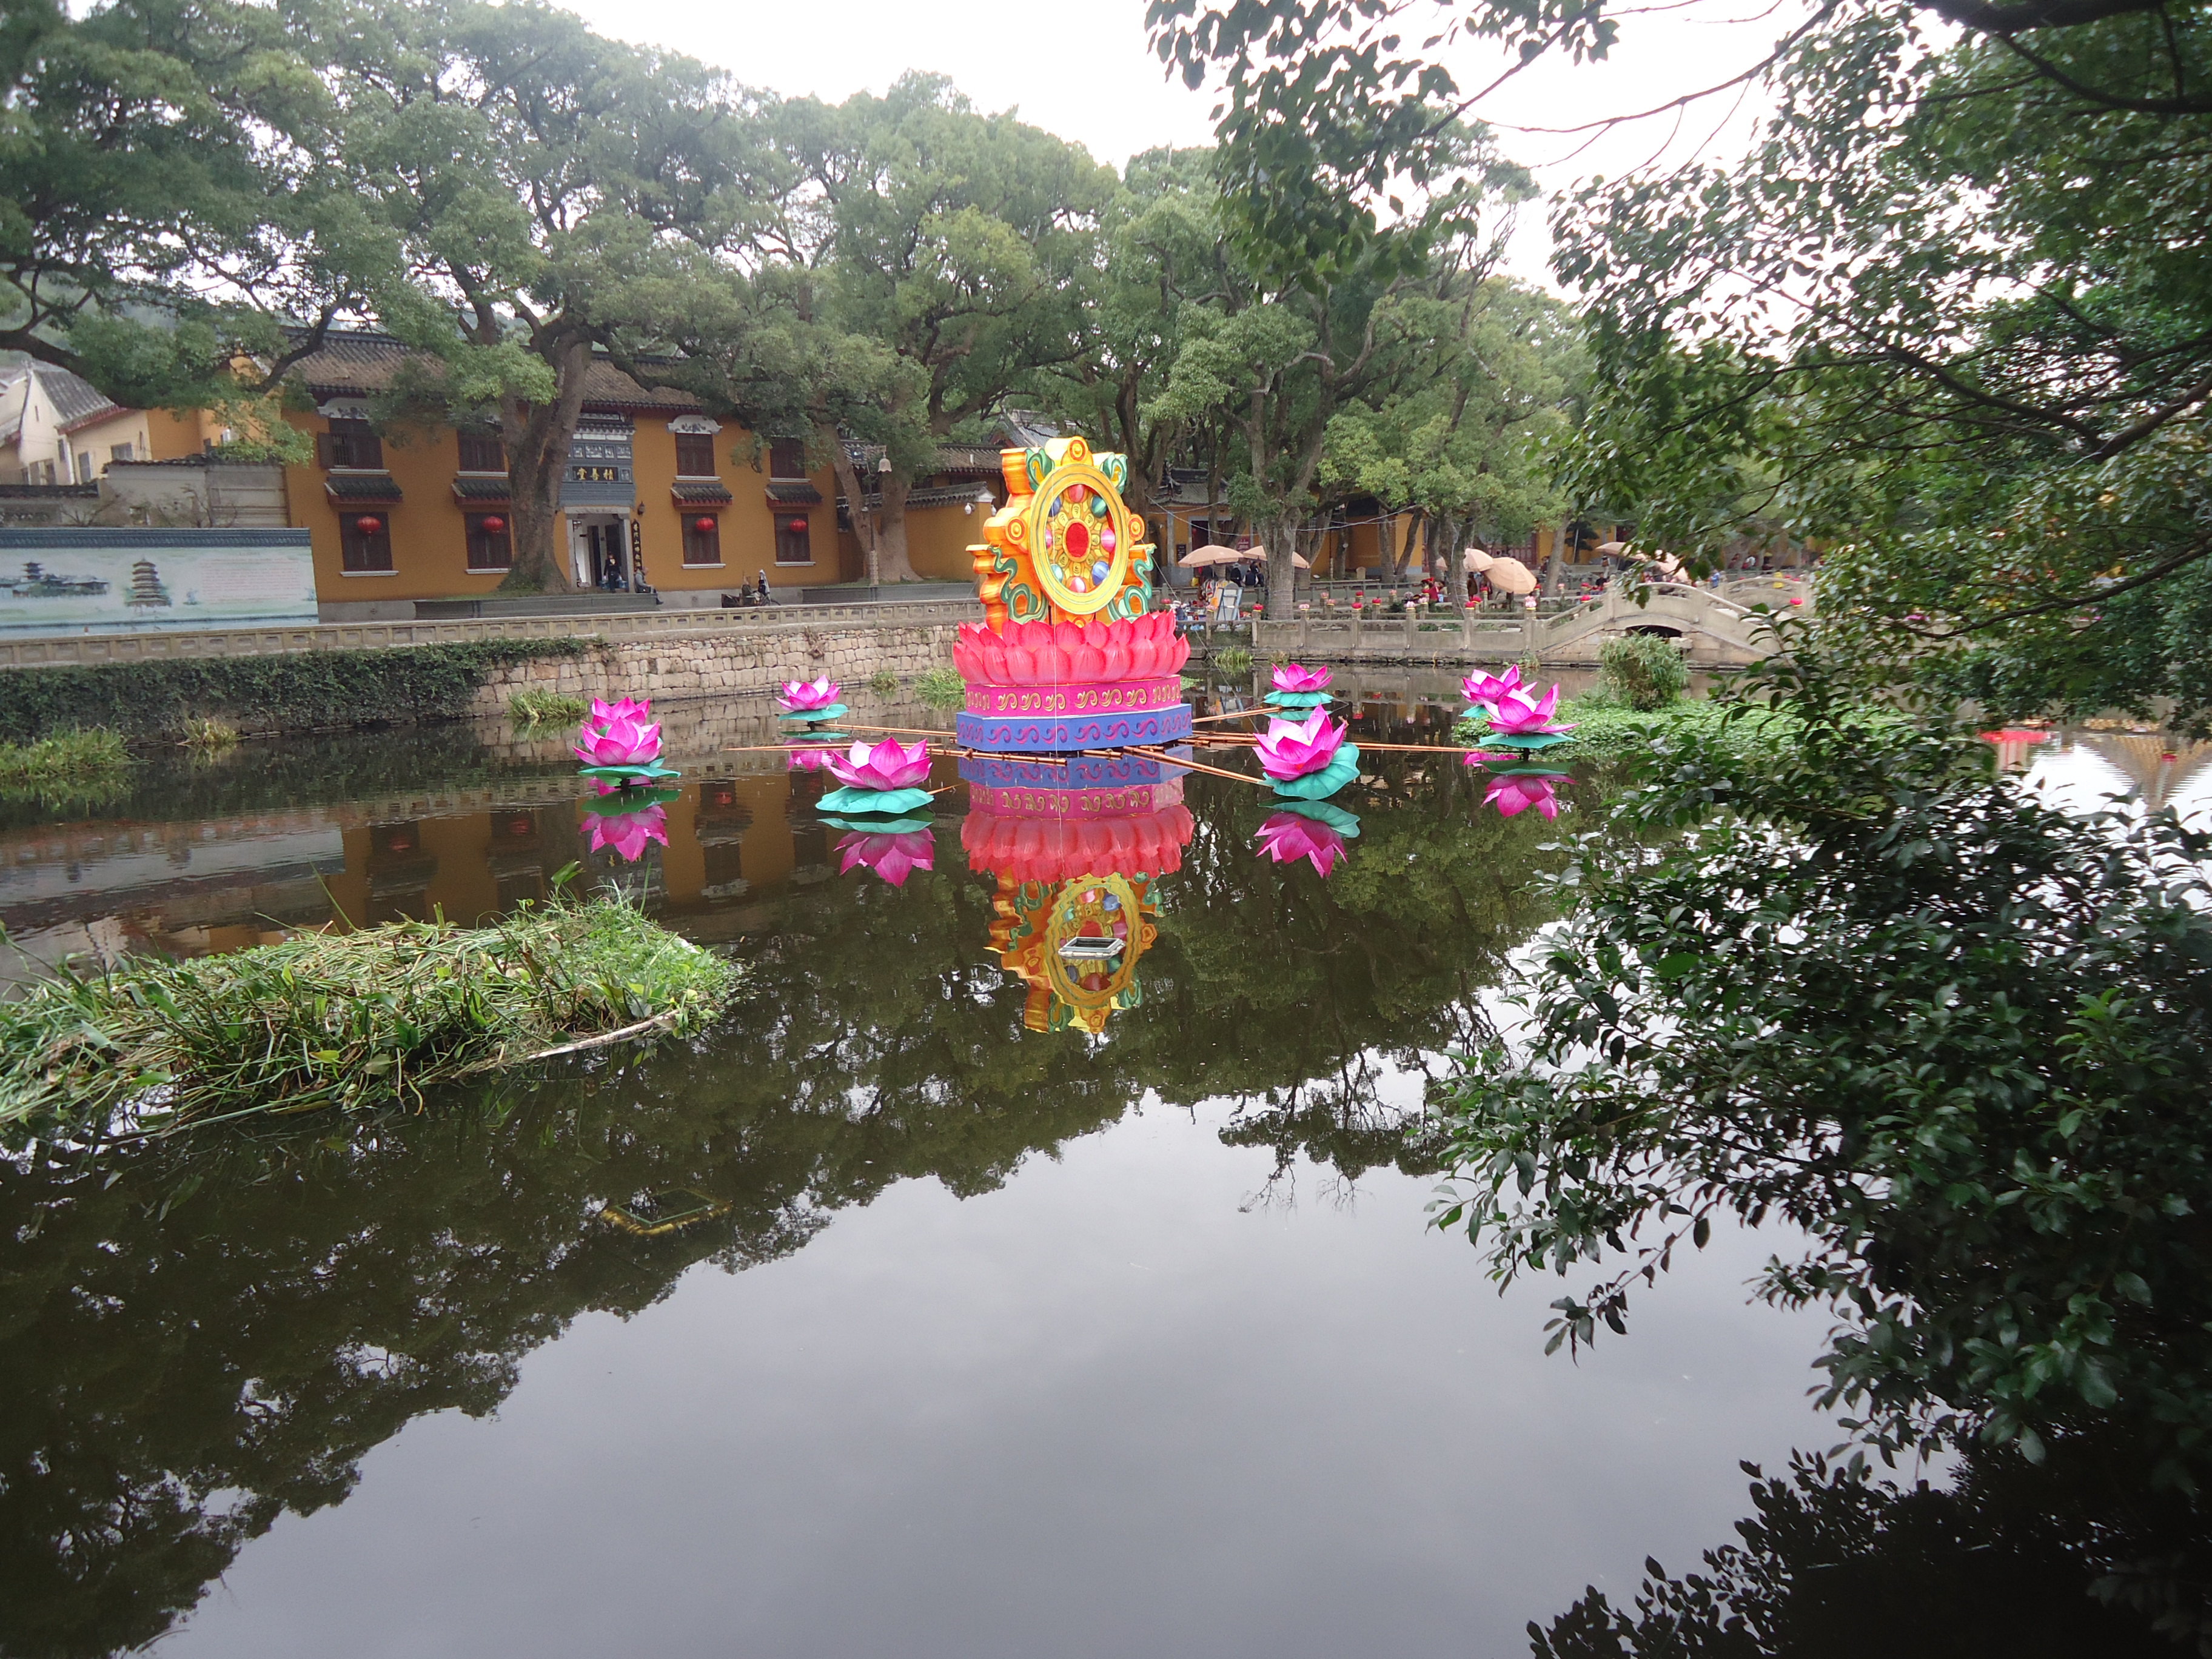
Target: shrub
x,y
884,682
942,687
1235,661
307,691
208,734
1642,671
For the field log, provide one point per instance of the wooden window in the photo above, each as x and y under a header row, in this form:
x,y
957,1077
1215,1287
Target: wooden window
x,y
482,451
791,540
364,542
695,454
352,446
703,538
786,458
120,453
491,541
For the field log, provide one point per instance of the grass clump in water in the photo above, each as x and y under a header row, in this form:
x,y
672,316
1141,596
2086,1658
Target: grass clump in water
x,y
941,688
532,707
1235,661
359,1021
208,735
884,682
83,767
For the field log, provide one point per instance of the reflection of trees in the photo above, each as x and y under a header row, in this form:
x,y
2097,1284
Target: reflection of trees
x,y
2072,1558
196,1337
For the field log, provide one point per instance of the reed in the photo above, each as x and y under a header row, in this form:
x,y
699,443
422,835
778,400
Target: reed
x,y
81,767
357,1021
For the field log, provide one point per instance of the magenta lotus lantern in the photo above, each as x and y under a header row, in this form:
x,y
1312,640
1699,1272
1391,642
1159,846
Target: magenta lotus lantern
x,y
808,696
616,735
887,765
1297,677
1292,749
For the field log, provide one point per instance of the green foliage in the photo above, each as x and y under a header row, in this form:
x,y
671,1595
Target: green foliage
x,y
356,1020
884,682
1957,1039
1234,661
535,706
941,687
298,692
1642,671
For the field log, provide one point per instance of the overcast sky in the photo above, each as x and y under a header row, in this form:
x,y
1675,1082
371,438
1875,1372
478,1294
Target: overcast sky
x,y
1080,67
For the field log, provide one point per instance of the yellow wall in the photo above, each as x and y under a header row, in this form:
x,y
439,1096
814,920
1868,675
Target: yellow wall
x,y
429,550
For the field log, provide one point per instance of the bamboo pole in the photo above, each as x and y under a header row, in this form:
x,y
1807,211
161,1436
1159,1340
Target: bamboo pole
x,y
1192,766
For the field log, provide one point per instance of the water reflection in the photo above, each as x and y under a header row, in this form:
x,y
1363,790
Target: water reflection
x,y
204,1335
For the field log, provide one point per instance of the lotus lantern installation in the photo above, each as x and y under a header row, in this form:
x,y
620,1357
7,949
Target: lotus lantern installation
x,y
1297,686
618,745
881,779
1307,759
1521,724
810,701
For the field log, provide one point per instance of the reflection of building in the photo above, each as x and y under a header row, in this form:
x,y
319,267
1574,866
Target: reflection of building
x,y
1076,848
723,819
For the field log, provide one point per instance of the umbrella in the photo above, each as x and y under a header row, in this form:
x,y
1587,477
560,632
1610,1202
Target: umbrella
x,y
1610,547
1666,565
1477,559
1511,576
1204,555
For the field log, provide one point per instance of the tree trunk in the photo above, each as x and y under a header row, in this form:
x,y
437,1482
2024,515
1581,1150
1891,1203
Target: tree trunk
x,y
537,436
865,530
892,564
1282,575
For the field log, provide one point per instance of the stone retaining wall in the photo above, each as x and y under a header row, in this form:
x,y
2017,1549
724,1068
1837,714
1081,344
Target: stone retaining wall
x,y
723,665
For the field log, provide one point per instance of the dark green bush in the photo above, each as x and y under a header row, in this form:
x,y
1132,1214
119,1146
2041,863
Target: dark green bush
x,y
1642,671
297,692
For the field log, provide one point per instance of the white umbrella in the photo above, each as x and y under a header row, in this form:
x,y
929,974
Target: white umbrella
x,y
1199,556
1477,559
1510,576
1611,547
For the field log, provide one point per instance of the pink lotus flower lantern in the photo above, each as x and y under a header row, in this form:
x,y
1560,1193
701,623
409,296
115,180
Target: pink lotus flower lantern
x,y
616,735
1296,676
807,698
893,857
1515,715
1289,837
1292,749
890,764
811,759
1488,688
1516,792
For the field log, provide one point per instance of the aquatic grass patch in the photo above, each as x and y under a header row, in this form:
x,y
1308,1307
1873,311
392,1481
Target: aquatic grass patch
x,y
207,735
941,688
534,707
356,1021
76,767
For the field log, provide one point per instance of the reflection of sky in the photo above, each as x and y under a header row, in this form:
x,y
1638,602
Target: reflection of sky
x,y
2077,779
2193,798
1111,1409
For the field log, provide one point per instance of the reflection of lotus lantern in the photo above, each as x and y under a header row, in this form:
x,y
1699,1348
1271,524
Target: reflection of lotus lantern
x,y
893,857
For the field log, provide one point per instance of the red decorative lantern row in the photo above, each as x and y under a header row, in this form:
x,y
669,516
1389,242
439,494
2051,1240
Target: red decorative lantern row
x,y
703,524
368,524
493,525
797,526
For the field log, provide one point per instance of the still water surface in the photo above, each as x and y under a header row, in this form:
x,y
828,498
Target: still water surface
x,y
876,1321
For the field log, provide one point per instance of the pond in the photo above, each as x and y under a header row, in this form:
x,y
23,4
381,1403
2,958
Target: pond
x,y
895,1316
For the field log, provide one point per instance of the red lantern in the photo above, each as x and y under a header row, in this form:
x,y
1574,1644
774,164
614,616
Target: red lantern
x,y
797,526
703,524
368,524
493,525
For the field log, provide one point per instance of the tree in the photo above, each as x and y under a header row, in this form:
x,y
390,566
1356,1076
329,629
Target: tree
x,y
550,194
963,244
1953,1038
1947,321
164,232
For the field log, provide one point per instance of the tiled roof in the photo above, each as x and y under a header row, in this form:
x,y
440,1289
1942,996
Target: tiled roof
x,y
963,461
73,399
363,487
361,362
701,492
482,487
793,494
